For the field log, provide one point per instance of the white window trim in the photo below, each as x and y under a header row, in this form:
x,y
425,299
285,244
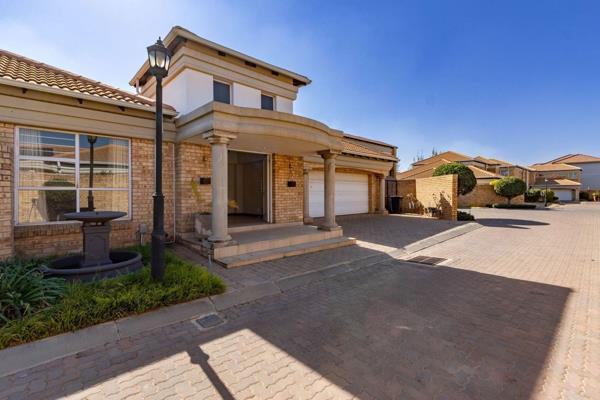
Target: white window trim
x,y
77,188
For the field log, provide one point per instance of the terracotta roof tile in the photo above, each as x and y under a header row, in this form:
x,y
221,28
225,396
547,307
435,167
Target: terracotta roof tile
x,y
575,158
482,173
18,68
554,167
557,182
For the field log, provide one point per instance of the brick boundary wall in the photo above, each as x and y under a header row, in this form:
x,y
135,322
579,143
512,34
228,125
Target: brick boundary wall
x,y
438,191
408,190
483,195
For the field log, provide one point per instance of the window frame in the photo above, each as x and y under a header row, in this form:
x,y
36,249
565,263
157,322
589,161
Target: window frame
x,y
271,96
229,84
77,188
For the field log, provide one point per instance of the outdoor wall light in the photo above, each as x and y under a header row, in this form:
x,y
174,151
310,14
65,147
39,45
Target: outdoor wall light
x,y
159,60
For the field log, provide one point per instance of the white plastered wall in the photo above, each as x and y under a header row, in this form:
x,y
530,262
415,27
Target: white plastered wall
x,y
284,104
245,96
188,90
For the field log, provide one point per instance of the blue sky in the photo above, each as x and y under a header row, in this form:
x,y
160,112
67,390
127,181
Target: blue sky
x,y
517,80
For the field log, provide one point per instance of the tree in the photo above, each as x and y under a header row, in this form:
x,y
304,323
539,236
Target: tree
x,y
466,177
509,187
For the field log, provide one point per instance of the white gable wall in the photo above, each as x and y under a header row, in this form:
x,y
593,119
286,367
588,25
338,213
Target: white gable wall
x,y
245,96
188,90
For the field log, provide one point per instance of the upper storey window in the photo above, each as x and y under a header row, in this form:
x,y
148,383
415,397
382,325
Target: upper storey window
x,y
221,92
267,102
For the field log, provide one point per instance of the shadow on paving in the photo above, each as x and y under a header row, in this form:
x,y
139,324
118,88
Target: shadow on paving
x,y
509,223
394,330
394,230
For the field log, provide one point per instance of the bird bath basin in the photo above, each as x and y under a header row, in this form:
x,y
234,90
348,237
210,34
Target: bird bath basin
x,y
97,261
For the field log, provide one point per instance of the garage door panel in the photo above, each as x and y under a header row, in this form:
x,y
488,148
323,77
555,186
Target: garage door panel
x,y
564,195
351,194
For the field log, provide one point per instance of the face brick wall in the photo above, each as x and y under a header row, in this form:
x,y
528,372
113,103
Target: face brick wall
x,y
440,192
6,193
57,239
408,190
287,201
484,195
192,162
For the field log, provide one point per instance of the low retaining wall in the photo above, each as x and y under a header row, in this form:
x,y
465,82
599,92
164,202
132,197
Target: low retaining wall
x,y
484,195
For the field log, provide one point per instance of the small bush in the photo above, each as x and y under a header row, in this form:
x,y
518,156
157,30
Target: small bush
x,y
86,304
465,216
533,195
509,187
24,291
514,206
466,177
584,196
548,194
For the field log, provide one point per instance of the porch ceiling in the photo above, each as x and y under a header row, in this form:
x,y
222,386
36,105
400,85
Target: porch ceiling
x,y
258,130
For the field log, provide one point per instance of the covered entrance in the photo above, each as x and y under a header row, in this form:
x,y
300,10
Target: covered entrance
x,y
248,188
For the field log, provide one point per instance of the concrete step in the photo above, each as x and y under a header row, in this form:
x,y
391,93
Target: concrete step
x,y
254,241
285,251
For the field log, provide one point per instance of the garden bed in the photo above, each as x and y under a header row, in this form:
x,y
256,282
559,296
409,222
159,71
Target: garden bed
x,y
72,306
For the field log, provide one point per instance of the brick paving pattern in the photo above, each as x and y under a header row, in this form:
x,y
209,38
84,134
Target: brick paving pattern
x,y
514,314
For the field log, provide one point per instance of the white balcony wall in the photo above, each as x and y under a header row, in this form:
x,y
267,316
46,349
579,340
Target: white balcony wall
x,y
284,104
244,96
188,91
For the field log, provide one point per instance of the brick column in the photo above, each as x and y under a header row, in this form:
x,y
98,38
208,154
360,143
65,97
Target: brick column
x,y
329,157
306,208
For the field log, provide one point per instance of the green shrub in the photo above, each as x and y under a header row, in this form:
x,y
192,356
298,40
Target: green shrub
x,y
24,291
584,196
466,177
548,194
533,195
514,206
86,304
465,216
509,187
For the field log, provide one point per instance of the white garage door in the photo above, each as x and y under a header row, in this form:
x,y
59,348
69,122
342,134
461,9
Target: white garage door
x,y
564,195
351,194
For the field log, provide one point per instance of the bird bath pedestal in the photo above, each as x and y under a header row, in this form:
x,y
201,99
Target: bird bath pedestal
x,y
97,261
96,235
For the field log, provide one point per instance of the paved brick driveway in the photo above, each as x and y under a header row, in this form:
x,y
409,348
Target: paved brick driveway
x,y
514,314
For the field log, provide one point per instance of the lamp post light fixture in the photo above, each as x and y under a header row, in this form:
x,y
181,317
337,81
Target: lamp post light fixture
x,y
159,59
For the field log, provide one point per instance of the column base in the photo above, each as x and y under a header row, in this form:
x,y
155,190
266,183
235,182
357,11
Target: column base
x,y
219,240
330,228
308,220
382,212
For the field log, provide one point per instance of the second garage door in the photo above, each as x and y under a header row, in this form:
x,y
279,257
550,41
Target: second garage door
x,y
351,194
564,195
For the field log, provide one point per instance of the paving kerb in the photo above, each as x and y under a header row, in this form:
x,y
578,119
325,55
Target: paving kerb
x,y
28,355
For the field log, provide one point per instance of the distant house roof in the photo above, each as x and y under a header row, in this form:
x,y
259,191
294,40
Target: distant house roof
x,y
556,182
574,159
554,167
450,156
356,149
482,173
17,70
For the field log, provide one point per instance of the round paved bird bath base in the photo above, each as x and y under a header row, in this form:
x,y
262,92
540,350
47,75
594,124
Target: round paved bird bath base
x,y
97,261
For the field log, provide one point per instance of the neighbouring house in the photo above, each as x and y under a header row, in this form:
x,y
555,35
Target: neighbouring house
x,y
563,179
589,166
229,127
485,170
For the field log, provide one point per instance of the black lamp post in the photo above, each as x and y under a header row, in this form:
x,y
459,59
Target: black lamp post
x,y
159,59
546,193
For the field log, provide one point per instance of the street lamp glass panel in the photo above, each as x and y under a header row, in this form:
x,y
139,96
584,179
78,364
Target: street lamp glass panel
x,y
160,59
152,58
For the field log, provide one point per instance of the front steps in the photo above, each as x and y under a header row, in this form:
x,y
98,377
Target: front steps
x,y
265,244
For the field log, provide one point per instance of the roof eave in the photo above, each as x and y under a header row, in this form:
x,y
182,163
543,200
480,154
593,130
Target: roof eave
x,y
83,96
178,31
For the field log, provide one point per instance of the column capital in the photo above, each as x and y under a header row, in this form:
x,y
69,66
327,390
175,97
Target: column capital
x,y
307,169
218,137
327,154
